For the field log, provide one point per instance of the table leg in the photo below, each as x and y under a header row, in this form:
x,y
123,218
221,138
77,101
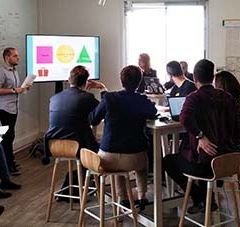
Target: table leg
x,y
175,149
158,208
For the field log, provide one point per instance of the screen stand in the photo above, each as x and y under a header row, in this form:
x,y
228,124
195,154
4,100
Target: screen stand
x,y
58,86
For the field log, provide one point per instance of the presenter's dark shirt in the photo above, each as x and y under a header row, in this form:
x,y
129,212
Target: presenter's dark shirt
x,y
125,114
186,88
211,111
68,117
150,73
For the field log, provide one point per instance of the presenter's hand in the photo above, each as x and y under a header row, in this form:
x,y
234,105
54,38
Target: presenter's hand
x,y
91,84
28,86
20,90
207,146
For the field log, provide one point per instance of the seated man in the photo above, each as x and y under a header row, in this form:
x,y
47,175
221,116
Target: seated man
x,y
147,71
208,116
68,114
182,86
124,142
69,110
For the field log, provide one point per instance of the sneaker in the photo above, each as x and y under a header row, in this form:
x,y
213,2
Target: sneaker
x,y
194,209
1,209
9,185
214,207
4,194
125,203
15,172
141,203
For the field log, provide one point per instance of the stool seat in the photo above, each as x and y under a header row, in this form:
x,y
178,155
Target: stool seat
x,y
92,162
223,167
65,150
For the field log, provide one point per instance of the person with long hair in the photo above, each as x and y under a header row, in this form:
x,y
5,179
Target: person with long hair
x,y
228,82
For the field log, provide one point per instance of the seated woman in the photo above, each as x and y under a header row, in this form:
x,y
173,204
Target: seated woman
x,y
124,143
228,82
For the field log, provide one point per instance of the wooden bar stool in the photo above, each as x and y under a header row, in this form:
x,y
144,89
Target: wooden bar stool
x,y
223,167
92,162
64,150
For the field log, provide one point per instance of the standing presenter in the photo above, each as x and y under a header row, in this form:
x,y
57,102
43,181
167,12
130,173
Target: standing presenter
x,y
9,96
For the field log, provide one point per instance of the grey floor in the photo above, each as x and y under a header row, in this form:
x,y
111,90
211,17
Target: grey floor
x,y
27,207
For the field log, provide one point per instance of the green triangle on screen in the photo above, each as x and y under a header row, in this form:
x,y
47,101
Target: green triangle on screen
x,y
84,56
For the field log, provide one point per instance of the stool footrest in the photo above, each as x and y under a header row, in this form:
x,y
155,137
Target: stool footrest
x,y
231,219
127,211
58,192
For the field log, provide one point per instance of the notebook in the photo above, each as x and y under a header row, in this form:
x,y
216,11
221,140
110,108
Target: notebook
x,y
175,106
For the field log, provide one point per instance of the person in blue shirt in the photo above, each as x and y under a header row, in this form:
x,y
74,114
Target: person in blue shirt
x,y
124,143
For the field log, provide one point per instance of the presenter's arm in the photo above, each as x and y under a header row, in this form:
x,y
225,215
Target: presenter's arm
x,y
7,91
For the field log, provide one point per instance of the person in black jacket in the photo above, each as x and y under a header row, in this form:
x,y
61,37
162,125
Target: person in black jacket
x,y
69,110
68,116
124,142
182,86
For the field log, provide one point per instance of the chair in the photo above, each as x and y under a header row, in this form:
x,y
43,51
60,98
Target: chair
x,y
223,167
92,162
64,150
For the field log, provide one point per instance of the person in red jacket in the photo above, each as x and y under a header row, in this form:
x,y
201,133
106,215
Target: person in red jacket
x,y
209,118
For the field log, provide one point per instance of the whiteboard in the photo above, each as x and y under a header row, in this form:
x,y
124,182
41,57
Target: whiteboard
x,y
233,51
17,17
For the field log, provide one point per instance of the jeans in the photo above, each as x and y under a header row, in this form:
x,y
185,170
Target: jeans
x,y
176,165
7,143
4,171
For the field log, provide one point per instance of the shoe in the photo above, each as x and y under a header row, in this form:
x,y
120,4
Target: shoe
x,y
141,203
194,209
4,194
214,207
125,203
9,185
15,172
16,164
1,209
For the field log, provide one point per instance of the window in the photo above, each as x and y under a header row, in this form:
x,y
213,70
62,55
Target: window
x,y
165,32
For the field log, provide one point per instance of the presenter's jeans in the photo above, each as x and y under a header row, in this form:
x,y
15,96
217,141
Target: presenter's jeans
x,y
7,143
127,162
4,171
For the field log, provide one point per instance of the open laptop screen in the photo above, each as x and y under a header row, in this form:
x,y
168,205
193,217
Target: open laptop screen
x,y
175,106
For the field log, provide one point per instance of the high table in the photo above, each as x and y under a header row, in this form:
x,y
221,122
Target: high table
x,y
159,130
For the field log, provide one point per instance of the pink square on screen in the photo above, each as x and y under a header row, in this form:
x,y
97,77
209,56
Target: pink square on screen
x,y
44,55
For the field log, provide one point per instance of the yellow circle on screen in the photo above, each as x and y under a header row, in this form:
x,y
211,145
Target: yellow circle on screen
x,y
65,53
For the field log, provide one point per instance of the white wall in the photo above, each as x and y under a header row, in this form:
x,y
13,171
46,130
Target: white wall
x,y
18,17
85,17
218,11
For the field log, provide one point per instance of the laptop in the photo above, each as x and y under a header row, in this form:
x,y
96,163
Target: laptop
x,y
153,85
175,106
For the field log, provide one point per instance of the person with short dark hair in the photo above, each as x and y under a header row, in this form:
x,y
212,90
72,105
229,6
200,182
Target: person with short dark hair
x,y
182,86
124,143
228,82
209,118
69,110
9,100
147,71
